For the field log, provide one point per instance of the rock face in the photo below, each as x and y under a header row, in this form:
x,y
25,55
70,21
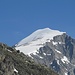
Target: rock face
x,y
59,54
6,64
13,62
7,67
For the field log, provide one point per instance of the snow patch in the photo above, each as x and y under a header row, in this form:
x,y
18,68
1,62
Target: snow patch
x,y
48,54
66,73
41,57
53,66
55,43
34,53
65,60
58,51
15,70
44,53
61,42
51,63
58,62
9,50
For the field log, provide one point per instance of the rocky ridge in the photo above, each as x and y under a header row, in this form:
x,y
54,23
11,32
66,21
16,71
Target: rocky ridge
x,y
14,62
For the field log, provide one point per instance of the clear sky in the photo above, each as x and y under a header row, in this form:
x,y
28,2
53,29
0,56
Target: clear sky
x,y
19,18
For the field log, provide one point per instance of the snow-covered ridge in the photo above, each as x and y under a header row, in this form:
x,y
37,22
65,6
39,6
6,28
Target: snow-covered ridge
x,y
45,33
36,40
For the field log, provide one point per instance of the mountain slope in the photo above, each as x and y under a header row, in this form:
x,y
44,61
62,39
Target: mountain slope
x,y
52,48
58,54
13,62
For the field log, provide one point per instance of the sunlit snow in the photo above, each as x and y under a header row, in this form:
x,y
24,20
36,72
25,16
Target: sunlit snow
x,y
15,70
58,62
65,60
55,43
58,51
44,53
36,40
66,73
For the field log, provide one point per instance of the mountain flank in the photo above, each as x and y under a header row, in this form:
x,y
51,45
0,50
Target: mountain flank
x,y
14,62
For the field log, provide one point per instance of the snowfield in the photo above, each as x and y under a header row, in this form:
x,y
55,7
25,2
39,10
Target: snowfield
x,y
36,40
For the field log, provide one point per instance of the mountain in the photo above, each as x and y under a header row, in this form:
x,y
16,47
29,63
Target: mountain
x,y
52,48
14,62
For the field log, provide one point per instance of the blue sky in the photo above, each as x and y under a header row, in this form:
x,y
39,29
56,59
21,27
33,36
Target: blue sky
x,y
19,18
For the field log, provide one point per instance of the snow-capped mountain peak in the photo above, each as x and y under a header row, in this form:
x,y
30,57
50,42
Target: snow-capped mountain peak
x,y
36,40
39,34
52,48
